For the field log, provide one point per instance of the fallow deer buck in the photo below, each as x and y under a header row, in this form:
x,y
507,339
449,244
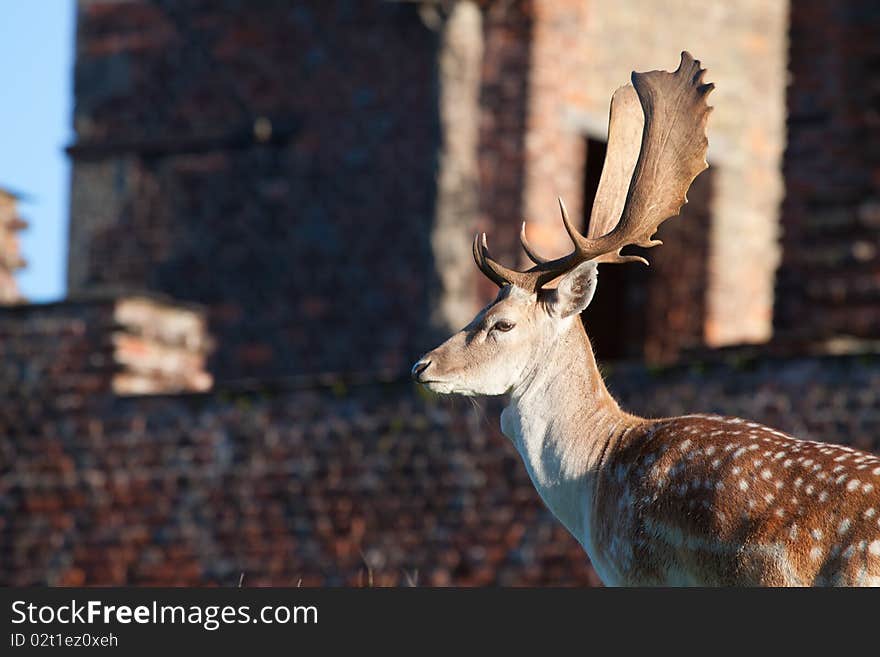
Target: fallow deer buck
x,y
691,500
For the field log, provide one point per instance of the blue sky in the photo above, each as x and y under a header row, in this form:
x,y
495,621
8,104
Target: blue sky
x,y
36,100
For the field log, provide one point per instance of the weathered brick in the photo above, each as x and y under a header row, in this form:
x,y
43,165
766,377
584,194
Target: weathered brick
x,y
828,284
258,157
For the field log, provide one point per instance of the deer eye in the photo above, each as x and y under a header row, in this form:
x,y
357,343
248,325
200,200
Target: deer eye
x,y
502,325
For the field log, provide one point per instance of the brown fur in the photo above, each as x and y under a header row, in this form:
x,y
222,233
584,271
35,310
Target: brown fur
x,y
736,503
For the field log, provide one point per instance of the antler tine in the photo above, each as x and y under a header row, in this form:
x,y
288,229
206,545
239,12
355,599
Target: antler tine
x,y
476,253
498,273
615,257
481,263
530,251
582,245
573,233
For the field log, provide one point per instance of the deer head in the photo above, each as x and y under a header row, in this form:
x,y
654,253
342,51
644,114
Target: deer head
x,y
656,147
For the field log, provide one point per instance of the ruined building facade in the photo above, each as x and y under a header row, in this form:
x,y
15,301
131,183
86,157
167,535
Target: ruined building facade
x,y
313,172
828,283
272,207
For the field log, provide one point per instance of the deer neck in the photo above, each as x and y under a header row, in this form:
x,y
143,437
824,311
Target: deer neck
x,y
563,421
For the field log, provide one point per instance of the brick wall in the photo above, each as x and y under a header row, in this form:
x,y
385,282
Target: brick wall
x,y
283,485
70,350
55,349
291,482
829,280
459,64
274,161
507,34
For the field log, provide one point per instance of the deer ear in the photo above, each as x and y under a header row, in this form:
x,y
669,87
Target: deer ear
x,y
575,290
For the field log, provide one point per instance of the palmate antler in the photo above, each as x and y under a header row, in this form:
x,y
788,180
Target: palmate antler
x,y
656,147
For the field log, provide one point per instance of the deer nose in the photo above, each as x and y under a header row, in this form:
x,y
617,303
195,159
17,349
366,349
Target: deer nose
x,y
420,367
